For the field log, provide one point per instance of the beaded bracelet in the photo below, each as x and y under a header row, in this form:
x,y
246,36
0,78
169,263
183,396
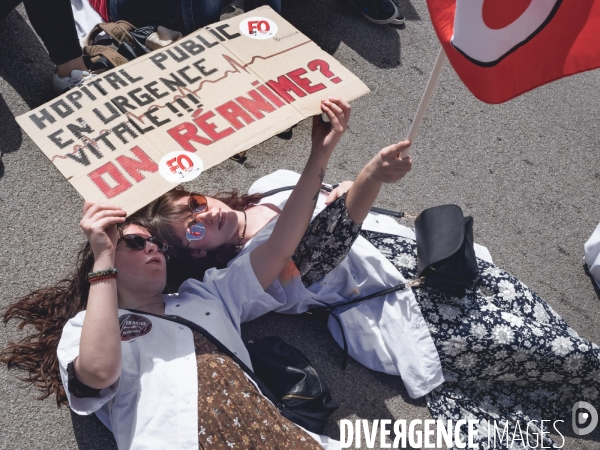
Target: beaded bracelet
x,y
102,275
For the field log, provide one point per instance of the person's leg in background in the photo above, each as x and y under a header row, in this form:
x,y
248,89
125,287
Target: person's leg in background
x,y
249,5
6,6
142,13
53,21
200,13
185,16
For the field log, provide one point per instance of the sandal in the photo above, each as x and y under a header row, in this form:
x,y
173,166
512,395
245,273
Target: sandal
x,y
380,12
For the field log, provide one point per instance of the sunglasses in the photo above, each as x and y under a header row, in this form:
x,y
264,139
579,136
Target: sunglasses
x,y
196,230
137,242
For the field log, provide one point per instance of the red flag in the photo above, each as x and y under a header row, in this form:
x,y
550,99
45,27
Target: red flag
x,y
503,48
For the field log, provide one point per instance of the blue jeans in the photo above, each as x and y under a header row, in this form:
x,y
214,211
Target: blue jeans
x,y
181,15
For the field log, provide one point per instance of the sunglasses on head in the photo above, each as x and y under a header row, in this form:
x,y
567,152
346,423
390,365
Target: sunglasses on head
x,y
196,230
137,242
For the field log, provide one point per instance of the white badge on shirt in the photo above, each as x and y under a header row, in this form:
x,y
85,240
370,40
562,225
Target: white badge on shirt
x,y
133,326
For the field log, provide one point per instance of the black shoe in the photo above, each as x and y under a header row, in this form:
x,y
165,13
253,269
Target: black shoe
x,y
379,11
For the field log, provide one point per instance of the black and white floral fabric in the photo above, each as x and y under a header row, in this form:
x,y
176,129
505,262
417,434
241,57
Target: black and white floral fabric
x,y
507,356
326,242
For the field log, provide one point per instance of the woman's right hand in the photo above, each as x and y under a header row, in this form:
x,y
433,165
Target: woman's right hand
x,y
326,135
99,225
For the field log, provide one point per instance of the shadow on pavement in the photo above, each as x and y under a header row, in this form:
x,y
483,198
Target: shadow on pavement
x,y
592,280
10,133
90,434
330,24
25,66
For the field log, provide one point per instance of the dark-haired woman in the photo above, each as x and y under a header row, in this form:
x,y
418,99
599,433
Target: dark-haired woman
x,y
156,383
498,354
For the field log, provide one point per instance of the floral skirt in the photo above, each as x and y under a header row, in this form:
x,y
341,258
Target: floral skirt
x,y
508,358
326,242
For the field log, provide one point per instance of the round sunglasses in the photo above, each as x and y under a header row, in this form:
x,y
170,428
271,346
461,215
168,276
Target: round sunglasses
x,y
137,242
196,229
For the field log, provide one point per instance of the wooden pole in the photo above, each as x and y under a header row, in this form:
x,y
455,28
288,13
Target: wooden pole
x,y
431,85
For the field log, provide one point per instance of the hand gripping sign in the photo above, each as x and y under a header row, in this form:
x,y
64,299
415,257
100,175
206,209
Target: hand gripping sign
x,y
134,132
503,48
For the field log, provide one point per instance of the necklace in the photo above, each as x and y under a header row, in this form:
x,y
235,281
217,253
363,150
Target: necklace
x,y
239,245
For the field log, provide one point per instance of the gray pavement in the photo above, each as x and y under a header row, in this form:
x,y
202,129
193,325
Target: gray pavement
x,y
526,170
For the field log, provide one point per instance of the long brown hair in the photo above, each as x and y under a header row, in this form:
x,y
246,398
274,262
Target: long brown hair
x,y
165,216
44,313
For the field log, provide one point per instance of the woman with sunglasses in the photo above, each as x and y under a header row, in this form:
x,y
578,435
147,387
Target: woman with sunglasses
x,y
207,232
153,382
498,352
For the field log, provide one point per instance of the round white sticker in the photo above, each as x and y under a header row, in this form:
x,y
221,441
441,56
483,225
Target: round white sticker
x,y
177,167
258,27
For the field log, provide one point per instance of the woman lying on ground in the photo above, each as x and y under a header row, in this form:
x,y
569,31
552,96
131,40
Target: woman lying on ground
x,y
153,382
499,353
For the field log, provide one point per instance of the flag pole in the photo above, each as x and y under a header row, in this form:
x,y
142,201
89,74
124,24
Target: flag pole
x,y
431,85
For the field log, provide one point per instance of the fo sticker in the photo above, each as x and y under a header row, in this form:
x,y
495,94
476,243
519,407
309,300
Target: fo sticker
x,y
133,326
177,167
258,27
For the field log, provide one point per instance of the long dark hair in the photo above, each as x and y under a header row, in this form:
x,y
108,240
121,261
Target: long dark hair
x,y
44,313
165,216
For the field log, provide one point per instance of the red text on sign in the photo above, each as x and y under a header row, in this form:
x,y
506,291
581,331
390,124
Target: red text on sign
x,y
262,26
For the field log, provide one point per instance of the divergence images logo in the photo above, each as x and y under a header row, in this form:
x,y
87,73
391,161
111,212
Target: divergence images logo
x,y
258,27
585,418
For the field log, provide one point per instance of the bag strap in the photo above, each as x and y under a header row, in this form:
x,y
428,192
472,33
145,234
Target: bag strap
x,y
374,209
330,310
93,51
119,31
222,348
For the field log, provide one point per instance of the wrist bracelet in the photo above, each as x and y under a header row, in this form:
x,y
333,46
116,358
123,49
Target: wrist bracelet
x,y
102,275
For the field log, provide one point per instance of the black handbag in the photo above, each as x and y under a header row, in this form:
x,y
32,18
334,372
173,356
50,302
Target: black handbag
x,y
445,253
290,376
310,413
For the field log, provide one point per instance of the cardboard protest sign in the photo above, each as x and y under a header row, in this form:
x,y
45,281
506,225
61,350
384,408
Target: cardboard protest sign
x,y
134,132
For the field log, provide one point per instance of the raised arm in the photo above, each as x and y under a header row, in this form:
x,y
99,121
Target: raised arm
x,y
387,166
269,258
99,362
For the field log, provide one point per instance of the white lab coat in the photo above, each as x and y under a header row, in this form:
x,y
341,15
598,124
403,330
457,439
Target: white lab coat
x,y
154,404
592,254
386,334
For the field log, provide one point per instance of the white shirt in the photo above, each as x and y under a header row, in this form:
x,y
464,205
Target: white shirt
x,y
154,404
386,334
592,254
85,17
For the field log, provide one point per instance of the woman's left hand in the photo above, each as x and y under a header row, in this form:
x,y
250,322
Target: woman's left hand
x,y
325,136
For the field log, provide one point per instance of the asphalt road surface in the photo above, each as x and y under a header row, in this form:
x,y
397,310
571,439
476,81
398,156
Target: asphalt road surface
x,y
526,170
